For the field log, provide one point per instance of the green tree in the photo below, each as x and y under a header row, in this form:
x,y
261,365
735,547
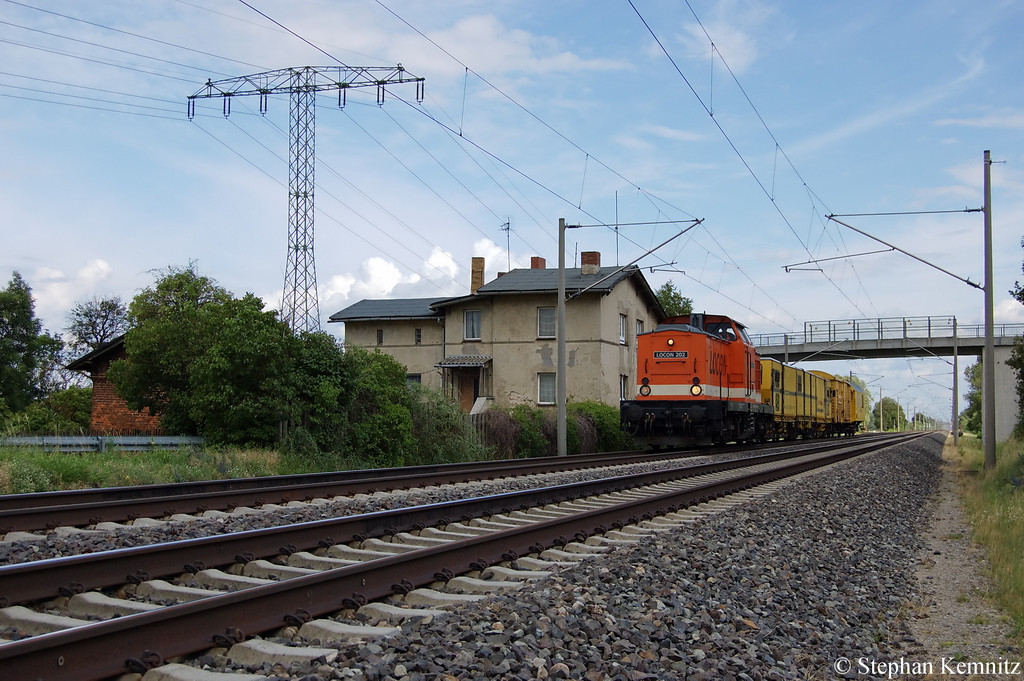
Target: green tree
x,y
26,351
94,322
892,415
672,301
174,324
240,387
970,418
379,420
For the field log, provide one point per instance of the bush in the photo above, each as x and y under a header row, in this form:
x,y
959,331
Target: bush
x,y
441,431
502,433
525,431
610,437
531,441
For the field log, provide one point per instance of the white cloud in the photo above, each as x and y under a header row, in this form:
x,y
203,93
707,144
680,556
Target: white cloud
x,y
736,46
491,47
672,133
1007,120
96,271
376,278
55,293
440,265
1009,311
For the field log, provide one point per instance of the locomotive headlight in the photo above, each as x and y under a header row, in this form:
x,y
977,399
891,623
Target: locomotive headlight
x,y
645,390
695,389
671,341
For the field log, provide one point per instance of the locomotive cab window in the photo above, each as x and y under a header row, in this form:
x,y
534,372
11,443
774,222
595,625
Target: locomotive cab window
x,y
721,329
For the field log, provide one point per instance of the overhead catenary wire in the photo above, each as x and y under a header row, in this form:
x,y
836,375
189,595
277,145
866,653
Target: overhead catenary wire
x,y
730,141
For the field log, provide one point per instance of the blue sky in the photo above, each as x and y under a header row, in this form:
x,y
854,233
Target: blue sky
x,y
534,111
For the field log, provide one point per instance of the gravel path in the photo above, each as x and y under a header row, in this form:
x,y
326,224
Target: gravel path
x,y
787,587
954,619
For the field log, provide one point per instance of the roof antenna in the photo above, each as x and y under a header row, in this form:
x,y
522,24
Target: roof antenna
x,y
507,228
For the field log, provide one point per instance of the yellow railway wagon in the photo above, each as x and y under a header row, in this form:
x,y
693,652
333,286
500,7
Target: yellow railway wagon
x,y
847,404
799,399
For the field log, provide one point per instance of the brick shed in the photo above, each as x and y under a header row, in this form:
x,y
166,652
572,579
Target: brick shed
x,y
110,414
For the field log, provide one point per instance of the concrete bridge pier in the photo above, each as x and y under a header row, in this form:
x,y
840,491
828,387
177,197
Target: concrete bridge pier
x,y
1006,394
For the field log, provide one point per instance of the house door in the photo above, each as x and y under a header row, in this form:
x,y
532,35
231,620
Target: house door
x,y
469,390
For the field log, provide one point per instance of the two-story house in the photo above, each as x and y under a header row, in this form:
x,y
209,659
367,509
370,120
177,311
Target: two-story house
x,y
497,345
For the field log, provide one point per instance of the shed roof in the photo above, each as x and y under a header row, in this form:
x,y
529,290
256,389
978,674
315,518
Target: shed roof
x,y
390,308
85,362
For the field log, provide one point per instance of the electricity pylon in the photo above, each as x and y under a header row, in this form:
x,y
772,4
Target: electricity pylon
x,y
300,308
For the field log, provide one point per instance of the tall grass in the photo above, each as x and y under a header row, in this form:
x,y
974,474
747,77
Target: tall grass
x,y
996,508
28,469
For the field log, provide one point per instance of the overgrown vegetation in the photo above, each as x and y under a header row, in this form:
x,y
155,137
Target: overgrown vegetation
x,y
210,364
995,503
24,470
523,431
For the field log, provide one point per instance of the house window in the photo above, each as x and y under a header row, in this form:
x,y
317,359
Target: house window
x,y
546,388
419,337
472,325
545,322
380,336
413,378
622,329
623,387
639,326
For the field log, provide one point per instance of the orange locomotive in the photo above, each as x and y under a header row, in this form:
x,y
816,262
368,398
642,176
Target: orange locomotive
x,y
699,383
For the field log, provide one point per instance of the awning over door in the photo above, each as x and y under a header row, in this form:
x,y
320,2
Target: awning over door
x,y
464,361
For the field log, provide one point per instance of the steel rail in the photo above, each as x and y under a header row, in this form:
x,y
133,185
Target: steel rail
x,y
28,512
383,475
91,512
49,578
98,651
386,476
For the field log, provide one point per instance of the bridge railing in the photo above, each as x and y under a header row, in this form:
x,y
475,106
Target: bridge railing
x,y
882,328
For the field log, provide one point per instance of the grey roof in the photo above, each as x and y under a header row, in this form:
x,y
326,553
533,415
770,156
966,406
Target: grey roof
x,y
546,281
534,280
391,308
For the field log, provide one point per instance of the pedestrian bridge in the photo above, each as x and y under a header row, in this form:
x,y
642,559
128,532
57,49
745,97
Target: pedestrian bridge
x,y
888,337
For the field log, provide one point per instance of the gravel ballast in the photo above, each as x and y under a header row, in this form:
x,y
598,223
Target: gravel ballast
x,y
781,588
57,544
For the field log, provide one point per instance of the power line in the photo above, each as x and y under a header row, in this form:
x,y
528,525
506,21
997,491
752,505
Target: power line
x,y
732,145
134,35
92,44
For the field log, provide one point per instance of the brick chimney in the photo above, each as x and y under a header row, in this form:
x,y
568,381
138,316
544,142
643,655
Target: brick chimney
x,y
476,274
538,263
590,262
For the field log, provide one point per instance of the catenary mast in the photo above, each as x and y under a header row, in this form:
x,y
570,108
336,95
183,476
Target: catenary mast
x,y
300,308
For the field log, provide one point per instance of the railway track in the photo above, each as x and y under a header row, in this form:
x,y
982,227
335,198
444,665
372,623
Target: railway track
x,y
90,507
426,547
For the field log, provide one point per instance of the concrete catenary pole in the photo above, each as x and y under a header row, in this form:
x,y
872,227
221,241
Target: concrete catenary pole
x,y
560,382
988,398
955,422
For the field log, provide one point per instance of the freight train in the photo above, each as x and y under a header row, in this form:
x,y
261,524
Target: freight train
x,y
700,381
